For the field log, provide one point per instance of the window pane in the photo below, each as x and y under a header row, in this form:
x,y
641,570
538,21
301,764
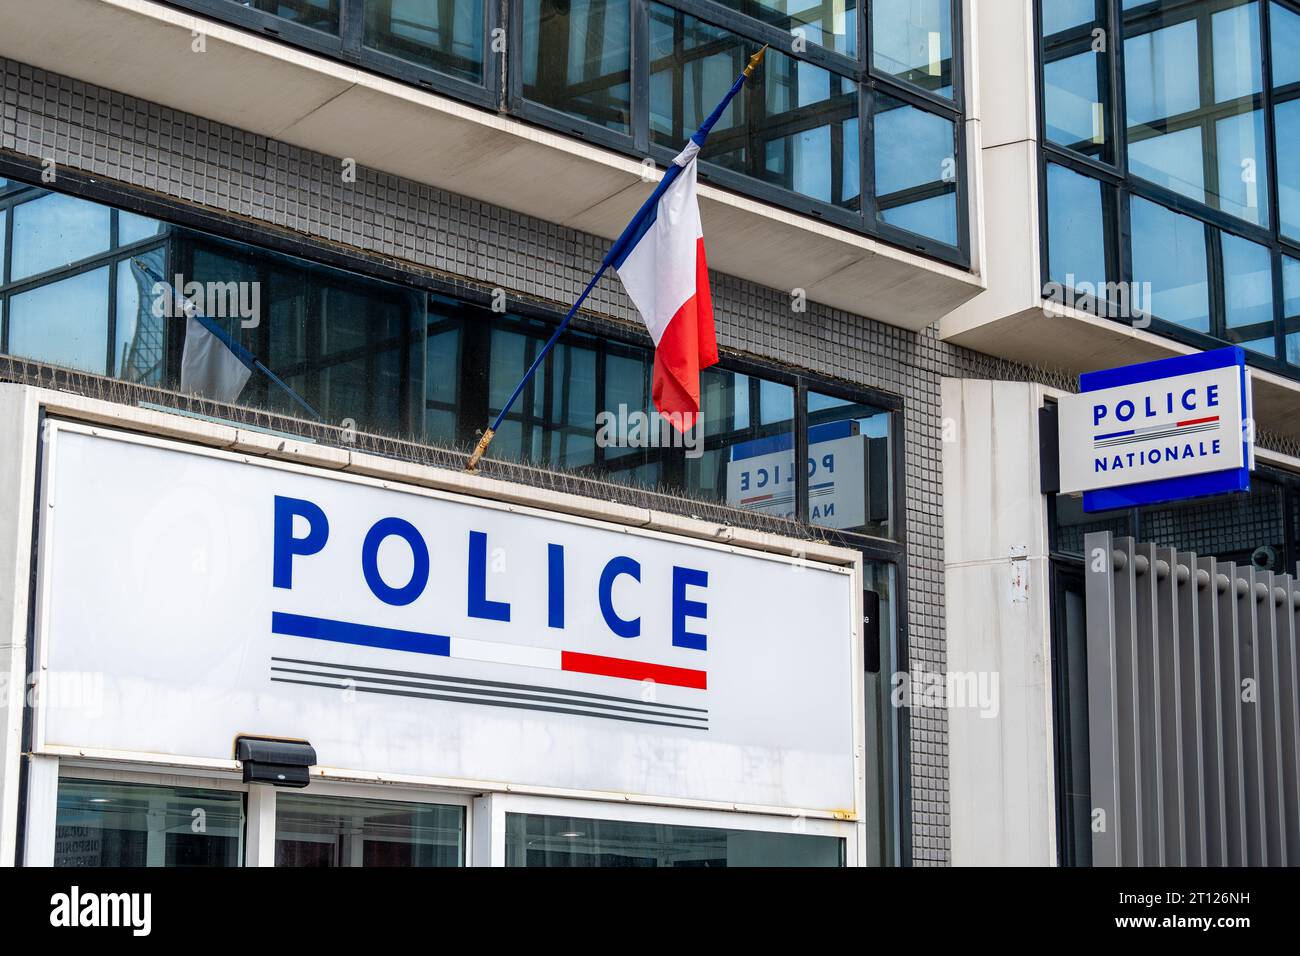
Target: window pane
x,y
912,40
1248,294
850,466
1059,15
832,24
1208,148
1076,243
131,824
748,453
317,14
534,840
334,831
442,363
1076,103
447,37
1284,27
55,231
578,59
1287,131
63,323
916,184
140,347
132,228
1291,307
1169,253
797,129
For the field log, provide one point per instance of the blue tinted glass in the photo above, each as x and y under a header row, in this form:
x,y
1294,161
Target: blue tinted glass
x,y
317,14
1074,109
745,430
1243,166
4,214
63,323
1291,307
1076,244
1061,15
776,402
57,230
1169,254
132,228
1238,64
1173,160
1284,28
912,40
832,24
578,58
1287,131
447,37
1161,73
915,170
1248,294
140,347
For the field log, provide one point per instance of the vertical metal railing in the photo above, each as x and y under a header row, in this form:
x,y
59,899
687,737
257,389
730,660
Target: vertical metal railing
x,y
1194,708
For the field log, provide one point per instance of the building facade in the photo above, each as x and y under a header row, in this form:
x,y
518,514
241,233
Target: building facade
x,y
924,220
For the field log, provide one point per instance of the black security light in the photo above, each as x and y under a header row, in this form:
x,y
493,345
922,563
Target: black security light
x,y
281,763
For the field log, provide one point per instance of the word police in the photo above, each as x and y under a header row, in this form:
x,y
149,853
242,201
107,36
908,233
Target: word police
x,y
687,607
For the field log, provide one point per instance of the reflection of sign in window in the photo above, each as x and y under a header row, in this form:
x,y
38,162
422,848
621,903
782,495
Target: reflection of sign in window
x,y
80,844
761,476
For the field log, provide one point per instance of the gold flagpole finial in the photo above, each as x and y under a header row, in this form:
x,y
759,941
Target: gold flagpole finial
x,y
754,61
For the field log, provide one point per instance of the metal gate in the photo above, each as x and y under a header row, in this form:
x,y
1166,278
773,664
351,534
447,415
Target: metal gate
x,y
1193,712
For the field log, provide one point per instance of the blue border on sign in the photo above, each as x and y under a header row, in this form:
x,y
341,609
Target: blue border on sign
x,y
1184,486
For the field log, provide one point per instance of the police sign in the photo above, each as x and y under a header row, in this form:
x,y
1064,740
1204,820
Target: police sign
x,y
1160,431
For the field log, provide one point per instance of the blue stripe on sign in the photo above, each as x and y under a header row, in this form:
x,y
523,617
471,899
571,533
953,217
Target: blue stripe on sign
x,y
1162,368
1113,435
366,635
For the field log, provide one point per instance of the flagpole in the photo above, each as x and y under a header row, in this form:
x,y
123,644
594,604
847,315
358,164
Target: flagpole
x,y
610,257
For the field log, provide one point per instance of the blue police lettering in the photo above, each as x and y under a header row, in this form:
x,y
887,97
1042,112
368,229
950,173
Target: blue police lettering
x,y
688,605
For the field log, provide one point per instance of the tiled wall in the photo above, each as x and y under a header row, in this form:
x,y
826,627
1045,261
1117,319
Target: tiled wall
x,y
191,159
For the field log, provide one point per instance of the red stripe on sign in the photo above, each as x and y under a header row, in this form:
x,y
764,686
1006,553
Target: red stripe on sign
x,y
1199,421
632,670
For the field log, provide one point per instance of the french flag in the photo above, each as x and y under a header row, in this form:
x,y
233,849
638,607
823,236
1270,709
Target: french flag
x,y
660,259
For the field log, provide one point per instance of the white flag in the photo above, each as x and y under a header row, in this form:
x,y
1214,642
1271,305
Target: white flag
x,y
213,365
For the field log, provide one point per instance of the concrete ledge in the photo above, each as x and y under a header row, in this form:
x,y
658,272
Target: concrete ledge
x,y
248,81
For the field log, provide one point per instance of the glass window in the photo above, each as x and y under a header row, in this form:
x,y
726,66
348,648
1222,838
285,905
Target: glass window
x,y
132,228
140,333
850,466
1076,243
1062,15
442,365
332,831
129,824
1285,26
1076,94
534,840
1169,254
55,231
1291,309
63,323
916,179
1248,294
748,453
796,128
1208,148
832,24
447,37
317,14
912,40
578,59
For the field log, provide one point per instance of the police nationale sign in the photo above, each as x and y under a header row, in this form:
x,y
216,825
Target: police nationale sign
x,y
1160,431
417,634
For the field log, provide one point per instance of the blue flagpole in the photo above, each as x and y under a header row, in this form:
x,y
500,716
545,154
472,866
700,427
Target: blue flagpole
x,y
628,235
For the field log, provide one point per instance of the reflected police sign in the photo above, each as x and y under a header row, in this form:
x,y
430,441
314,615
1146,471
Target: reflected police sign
x,y
1160,431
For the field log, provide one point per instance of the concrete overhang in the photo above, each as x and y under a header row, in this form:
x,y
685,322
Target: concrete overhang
x,y
257,84
1077,341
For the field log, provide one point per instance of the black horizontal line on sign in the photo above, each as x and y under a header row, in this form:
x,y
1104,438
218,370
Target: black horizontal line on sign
x,y
646,707
387,672
392,692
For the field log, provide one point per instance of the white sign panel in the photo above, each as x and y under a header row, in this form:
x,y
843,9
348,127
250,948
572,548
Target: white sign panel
x,y
417,634
1146,431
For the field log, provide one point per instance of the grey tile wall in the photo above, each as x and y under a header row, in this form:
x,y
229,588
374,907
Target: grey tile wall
x,y
198,161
